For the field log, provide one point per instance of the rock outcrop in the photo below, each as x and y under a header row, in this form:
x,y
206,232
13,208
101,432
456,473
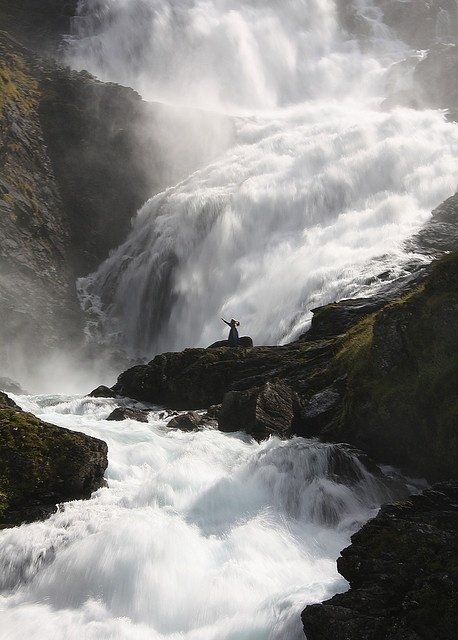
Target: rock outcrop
x,y
401,399
261,411
78,157
189,421
126,413
387,385
244,342
42,465
403,573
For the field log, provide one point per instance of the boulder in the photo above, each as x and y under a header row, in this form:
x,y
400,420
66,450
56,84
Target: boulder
x,y
102,392
42,464
245,342
187,421
126,413
261,412
403,572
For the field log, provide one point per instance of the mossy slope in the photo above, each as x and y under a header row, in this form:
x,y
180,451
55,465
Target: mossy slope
x,y
401,403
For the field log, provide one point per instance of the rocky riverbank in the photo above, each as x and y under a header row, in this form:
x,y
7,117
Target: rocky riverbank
x,y
42,465
403,572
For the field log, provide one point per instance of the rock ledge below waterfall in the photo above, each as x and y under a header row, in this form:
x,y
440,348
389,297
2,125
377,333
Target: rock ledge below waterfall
x,y
403,571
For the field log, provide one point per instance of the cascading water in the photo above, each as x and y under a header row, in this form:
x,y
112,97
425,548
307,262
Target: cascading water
x,y
200,536
311,204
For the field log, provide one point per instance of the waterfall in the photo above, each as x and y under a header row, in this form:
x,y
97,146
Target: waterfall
x,y
199,536
312,203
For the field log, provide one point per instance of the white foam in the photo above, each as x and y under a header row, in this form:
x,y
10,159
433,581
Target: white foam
x,y
199,536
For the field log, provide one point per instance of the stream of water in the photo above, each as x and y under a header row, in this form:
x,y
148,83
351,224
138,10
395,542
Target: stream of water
x,y
199,536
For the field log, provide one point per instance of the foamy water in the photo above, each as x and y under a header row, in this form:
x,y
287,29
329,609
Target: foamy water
x,y
199,536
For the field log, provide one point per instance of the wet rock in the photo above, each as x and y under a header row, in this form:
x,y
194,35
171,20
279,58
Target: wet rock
x,y
42,465
421,23
199,378
261,412
320,409
402,569
7,403
244,341
440,234
187,421
126,413
213,412
102,392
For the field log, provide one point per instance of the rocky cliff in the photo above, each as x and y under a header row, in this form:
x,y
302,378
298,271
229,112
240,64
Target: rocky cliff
x,y
403,572
77,159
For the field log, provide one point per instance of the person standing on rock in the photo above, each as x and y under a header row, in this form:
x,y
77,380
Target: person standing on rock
x,y
233,333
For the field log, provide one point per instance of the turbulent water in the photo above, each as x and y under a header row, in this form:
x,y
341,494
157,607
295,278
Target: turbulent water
x,y
313,201
199,536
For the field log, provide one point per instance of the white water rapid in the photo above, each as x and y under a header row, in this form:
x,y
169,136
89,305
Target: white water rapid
x,y
313,201
200,536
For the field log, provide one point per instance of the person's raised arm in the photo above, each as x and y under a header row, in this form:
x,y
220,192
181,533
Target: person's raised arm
x,y
228,323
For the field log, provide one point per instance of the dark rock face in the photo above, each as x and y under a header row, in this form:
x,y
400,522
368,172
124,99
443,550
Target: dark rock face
x,y
125,413
401,403
42,465
403,572
110,153
37,290
321,408
199,378
261,412
432,81
102,392
7,403
38,24
440,235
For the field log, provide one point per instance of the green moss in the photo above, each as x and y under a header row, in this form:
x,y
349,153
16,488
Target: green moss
x,y
354,352
39,461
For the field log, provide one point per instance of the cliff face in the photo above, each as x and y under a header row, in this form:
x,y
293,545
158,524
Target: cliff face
x,y
401,400
77,159
38,24
37,293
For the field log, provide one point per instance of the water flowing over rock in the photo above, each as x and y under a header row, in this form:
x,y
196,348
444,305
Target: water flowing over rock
x,y
308,206
272,515
387,385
